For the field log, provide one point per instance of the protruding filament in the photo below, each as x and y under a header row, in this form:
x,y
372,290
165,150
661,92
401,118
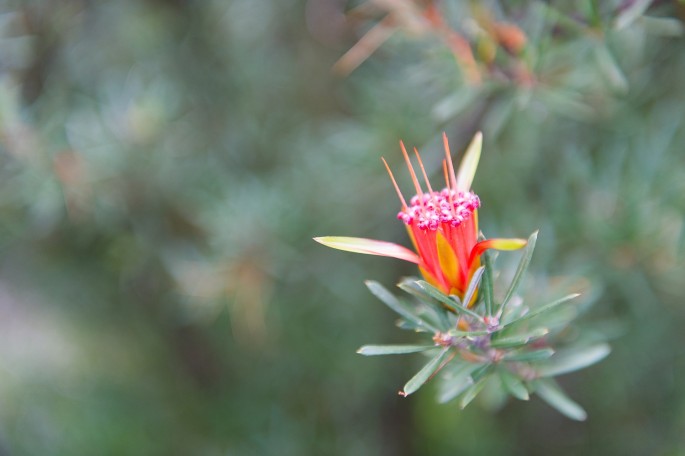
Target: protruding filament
x,y
447,184
394,183
423,170
411,171
449,162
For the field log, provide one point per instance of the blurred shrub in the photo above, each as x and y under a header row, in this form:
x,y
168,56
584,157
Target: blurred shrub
x,y
164,165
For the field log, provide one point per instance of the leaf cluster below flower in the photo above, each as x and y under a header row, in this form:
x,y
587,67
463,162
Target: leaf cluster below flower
x,y
506,344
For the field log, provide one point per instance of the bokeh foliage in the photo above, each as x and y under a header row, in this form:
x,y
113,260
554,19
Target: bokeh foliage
x,y
165,164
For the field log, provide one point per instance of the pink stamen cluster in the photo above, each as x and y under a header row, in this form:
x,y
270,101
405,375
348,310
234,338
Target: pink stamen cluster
x,y
431,209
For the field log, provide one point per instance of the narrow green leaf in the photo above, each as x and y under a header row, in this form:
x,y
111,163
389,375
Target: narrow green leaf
x,y
662,26
384,295
481,372
513,385
633,11
498,116
448,301
455,103
551,393
441,316
391,301
595,18
610,69
543,309
473,285
456,300
411,286
371,350
471,393
566,102
425,373
520,339
487,281
433,315
515,310
572,360
442,319
414,288
409,325
457,333
456,383
555,15
521,270
525,355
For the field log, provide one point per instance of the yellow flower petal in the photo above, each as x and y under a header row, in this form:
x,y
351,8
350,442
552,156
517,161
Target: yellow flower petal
x,y
469,164
429,277
449,264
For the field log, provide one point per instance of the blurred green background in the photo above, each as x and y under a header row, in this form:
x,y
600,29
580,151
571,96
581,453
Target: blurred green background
x,y
165,164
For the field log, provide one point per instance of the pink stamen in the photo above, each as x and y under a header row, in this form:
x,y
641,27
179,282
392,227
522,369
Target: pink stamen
x,y
445,208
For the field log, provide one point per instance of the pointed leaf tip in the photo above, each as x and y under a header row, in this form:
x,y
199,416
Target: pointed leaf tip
x,y
368,247
550,392
574,359
374,350
469,164
426,372
521,270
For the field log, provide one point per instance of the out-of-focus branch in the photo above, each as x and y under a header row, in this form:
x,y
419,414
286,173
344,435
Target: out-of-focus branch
x,y
413,17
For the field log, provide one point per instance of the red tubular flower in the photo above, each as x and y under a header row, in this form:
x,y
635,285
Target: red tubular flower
x,y
442,225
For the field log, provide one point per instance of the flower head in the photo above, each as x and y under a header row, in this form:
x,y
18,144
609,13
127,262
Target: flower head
x,y
442,225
